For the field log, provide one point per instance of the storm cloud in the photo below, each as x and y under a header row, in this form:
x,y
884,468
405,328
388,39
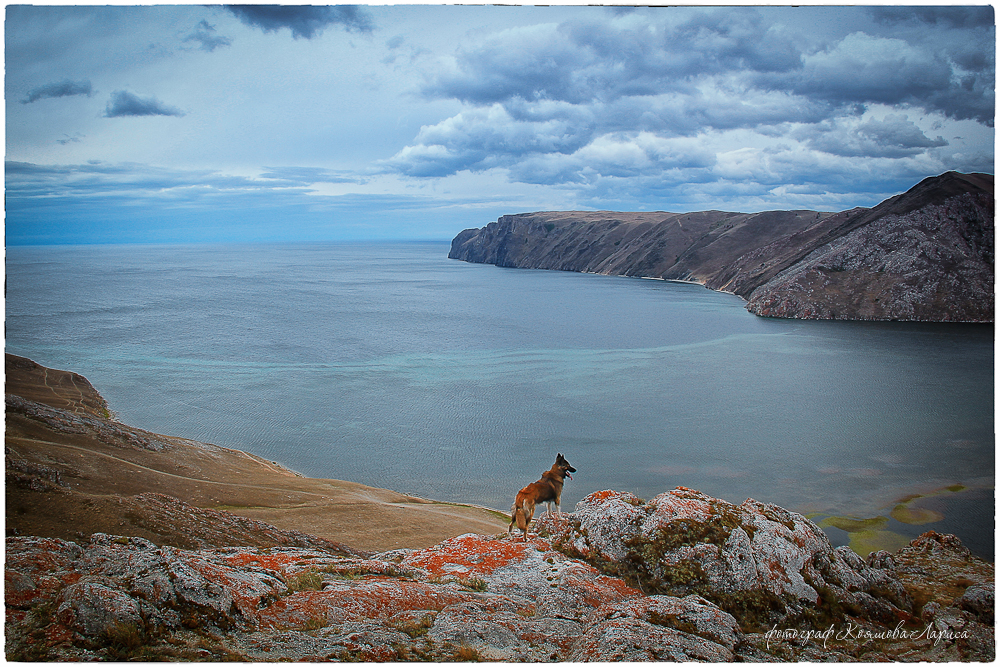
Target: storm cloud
x,y
576,101
302,20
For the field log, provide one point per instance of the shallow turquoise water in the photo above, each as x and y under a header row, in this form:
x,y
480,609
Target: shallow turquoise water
x,y
391,365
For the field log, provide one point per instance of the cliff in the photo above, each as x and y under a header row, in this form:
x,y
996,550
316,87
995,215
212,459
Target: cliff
x,y
924,255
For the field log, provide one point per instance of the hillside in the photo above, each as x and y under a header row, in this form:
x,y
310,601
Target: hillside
x,y
73,470
924,255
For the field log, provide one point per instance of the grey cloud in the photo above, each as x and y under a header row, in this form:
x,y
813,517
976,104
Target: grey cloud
x,y
864,69
124,103
895,136
490,137
205,35
954,17
302,20
579,62
538,94
62,89
928,63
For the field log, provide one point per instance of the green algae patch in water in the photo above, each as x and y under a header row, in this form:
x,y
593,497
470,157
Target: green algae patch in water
x,y
854,525
915,516
864,542
867,535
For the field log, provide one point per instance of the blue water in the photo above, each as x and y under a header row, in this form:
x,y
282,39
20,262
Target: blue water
x,y
391,365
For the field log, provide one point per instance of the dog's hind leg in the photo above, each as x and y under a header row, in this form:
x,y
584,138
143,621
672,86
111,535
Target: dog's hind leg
x,y
524,514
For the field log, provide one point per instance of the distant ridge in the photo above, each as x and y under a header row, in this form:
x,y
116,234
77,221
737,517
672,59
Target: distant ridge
x,y
924,255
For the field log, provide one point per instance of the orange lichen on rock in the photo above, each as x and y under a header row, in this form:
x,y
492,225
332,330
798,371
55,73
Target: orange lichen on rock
x,y
367,599
472,554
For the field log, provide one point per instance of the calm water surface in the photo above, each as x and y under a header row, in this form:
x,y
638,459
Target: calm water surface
x,y
391,365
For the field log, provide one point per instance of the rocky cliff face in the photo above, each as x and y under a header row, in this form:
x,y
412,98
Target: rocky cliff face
x,y
925,255
683,577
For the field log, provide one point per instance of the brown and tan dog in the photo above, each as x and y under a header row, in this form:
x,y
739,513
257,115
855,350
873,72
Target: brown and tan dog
x,y
546,490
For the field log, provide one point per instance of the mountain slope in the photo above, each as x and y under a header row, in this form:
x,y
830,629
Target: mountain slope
x,y
926,254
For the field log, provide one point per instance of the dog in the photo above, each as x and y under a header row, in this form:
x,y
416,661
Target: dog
x,y
546,490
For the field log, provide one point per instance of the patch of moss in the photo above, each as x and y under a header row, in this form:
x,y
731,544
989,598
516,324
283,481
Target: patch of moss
x,y
671,621
685,575
315,623
754,610
688,532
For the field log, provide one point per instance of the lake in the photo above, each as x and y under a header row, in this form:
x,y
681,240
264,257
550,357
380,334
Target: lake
x,y
391,365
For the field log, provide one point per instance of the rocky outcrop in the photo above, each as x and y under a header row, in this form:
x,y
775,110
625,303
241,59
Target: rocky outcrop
x,y
760,562
925,255
677,579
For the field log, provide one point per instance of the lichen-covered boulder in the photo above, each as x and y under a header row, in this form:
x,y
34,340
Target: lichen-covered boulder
x,y
979,600
760,560
659,628
95,609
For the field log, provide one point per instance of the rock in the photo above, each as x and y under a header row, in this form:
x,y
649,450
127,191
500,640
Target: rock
x,y
758,561
693,615
500,599
978,599
95,609
938,568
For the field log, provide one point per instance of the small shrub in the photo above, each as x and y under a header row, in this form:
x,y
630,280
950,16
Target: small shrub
x,y
466,653
123,640
309,580
475,584
416,628
315,623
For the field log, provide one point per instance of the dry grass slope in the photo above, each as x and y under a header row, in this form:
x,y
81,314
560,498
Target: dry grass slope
x,y
72,470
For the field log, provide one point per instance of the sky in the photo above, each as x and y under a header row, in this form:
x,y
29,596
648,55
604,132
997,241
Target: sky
x,y
190,123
